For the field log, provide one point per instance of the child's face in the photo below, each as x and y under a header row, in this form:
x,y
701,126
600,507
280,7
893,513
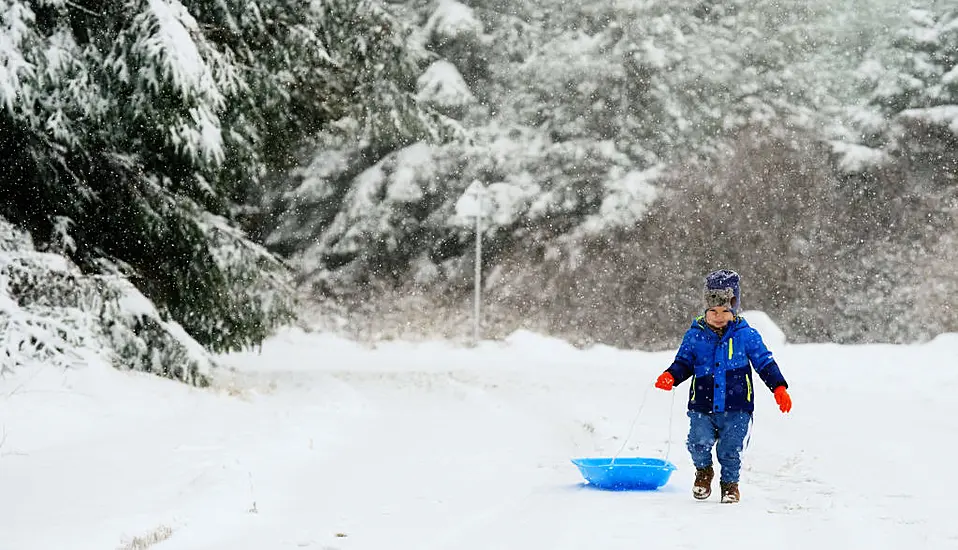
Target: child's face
x,y
719,316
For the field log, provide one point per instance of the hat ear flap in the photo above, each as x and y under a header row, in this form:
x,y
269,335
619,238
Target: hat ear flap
x,y
720,297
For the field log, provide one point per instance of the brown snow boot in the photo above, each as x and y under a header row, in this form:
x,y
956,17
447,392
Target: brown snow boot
x,y
702,488
730,494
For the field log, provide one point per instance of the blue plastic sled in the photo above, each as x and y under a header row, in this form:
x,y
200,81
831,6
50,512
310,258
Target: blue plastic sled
x,y
625,474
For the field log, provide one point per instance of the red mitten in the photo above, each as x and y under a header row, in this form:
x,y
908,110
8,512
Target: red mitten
x,y
665,381
783,399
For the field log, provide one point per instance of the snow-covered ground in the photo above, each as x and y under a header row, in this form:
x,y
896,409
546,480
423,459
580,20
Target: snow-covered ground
x,y
322,443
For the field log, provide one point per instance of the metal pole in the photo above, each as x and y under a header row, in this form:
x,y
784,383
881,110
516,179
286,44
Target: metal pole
x,y
478,275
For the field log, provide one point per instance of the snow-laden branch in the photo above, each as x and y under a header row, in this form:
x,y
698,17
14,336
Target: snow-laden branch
x,y
16,20
52,314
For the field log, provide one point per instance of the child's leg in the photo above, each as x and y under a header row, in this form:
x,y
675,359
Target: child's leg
x,y
732,428
702,434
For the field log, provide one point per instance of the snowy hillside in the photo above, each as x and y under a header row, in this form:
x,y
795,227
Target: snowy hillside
x,y
320,443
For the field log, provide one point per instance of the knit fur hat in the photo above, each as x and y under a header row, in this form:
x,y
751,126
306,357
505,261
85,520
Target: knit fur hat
x,y
722,289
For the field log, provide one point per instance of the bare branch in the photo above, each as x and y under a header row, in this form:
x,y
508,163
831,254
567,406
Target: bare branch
x,y
85,10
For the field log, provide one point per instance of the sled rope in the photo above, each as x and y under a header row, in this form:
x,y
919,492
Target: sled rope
x,y
668,445
632,427
668,442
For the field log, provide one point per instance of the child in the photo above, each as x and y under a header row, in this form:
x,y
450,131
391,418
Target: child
x,y
718,353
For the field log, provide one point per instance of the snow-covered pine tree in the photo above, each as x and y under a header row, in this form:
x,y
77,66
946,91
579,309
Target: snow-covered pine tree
x,y
911,81
51,313
898,160
915,67
584,102
380,64
907,75
113,119
455,33
906,116
373,98
287,73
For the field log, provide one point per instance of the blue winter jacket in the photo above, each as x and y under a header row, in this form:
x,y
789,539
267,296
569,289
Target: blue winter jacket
x,y
721,366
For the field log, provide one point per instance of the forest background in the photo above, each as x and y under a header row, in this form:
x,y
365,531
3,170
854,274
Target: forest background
x,y
180,178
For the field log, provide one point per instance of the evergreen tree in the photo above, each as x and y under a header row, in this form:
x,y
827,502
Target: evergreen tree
x,y
53,314
378,111
908,114
141,127
583,120
569,109
917,67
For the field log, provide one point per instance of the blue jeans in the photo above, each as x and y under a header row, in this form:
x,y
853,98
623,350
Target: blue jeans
x,y
728,429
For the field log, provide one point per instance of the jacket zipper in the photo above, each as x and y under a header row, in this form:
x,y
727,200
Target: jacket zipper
x,y
693,388
748,383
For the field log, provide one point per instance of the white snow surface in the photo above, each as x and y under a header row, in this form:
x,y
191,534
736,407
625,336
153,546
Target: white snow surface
x,y
319,442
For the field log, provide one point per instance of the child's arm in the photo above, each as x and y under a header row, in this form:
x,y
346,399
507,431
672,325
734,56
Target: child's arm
x,y
682,367
763,362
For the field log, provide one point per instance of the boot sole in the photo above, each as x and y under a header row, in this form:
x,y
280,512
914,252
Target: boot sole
x,y
701,496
